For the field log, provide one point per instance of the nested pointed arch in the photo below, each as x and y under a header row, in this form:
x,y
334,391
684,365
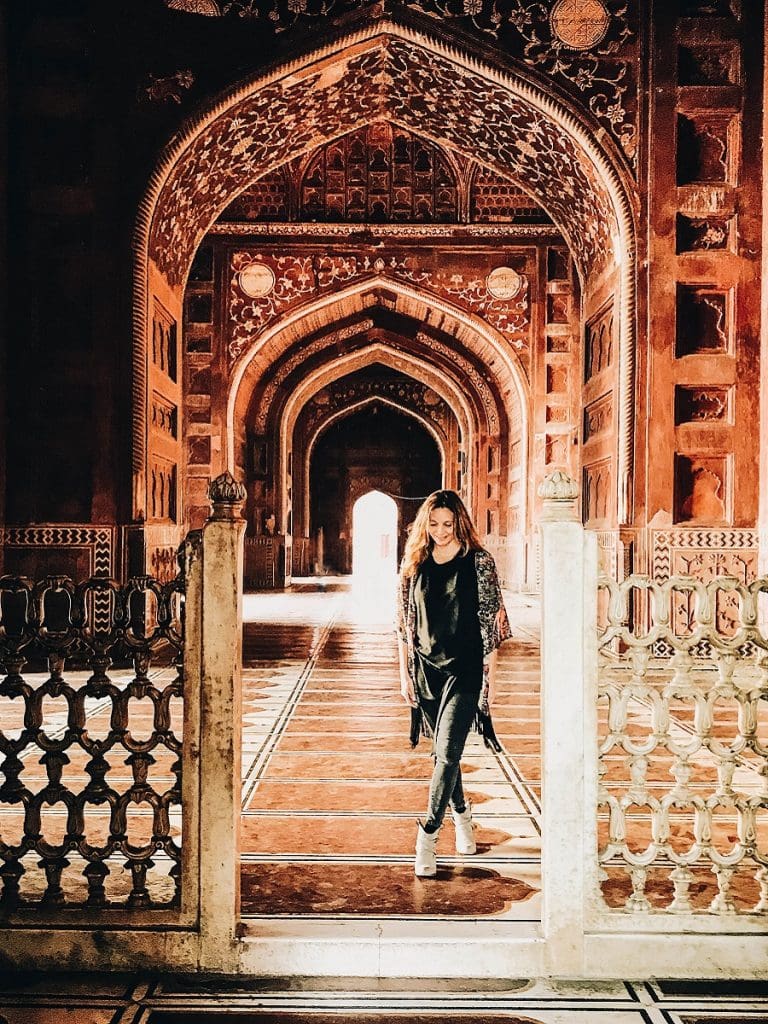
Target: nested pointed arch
x,y
469,333
504,119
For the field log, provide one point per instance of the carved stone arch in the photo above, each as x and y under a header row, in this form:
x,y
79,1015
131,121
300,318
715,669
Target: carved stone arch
x,y
451,384
341,414
322,376
505,117
484,342
477,335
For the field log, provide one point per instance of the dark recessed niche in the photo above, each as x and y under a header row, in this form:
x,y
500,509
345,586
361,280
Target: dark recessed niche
x,y
199,450
560,343
200,308
703,150
557,265
703,234
199,344
707,65
701,404
702,321
202,265
558,307
707,8
700,489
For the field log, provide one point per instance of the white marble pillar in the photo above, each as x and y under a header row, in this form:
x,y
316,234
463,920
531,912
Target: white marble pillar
x,y
569,736
220,733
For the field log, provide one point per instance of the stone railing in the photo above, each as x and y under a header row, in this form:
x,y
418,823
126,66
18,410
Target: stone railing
x,y
683,744
90,806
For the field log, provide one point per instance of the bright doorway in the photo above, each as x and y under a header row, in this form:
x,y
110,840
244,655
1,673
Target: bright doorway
x,y
374,537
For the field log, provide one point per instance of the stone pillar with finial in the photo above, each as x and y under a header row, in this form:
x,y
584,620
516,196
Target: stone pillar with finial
x,y
569,722
221,724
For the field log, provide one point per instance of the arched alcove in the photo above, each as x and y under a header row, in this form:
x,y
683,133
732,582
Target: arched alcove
x,y
375,446
508,121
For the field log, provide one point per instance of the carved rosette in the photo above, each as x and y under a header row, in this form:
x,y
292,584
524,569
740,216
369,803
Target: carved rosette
x,y
227,496
558,492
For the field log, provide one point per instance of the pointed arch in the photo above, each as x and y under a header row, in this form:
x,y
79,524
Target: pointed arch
x,y
504,118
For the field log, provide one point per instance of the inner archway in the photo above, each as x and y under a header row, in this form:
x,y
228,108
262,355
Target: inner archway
x,y
376,447
374,538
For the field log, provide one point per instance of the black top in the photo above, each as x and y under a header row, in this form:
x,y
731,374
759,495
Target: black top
x,y
448,640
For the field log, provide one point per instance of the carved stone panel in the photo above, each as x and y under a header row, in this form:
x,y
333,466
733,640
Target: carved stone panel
x,y
377,174
596,491
704,554
598,417
702,320
702,404
706,151
164,416
162,489
599,343
164,340
702,489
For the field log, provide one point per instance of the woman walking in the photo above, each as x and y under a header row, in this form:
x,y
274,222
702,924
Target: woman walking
x,y
452,620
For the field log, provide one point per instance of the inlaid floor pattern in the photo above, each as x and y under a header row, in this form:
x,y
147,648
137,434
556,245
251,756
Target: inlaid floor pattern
x,y
152,999
332,785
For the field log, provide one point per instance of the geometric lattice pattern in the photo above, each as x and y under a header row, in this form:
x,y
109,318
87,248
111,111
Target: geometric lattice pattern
x,y
683,735
90,806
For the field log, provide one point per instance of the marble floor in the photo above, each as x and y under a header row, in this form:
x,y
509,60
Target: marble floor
x,y
145,999
332,789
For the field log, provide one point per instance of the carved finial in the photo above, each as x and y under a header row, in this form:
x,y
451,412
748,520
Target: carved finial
x,y
559,492
227,496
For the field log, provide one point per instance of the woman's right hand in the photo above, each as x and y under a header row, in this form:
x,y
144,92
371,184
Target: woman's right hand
x,y
407,692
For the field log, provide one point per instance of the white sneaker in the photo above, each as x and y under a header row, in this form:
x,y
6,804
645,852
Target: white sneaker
x,y
426,861
465,840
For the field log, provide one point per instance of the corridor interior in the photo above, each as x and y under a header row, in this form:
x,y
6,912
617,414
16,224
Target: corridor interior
x,y
332,788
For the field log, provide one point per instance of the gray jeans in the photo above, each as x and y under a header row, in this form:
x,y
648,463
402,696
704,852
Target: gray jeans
x,y
450,720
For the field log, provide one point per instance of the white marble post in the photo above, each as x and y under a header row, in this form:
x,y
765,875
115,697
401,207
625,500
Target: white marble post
x,y
569,737
220,734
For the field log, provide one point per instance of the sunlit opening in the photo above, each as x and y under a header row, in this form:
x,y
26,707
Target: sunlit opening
x,y
374,537
374,556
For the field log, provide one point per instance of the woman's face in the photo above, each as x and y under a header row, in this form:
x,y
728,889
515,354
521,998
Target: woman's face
x,y
441,527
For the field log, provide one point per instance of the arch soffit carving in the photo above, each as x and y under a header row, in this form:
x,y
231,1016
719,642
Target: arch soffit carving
x,y
503,119
323,376
449,378
336,307
341,414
